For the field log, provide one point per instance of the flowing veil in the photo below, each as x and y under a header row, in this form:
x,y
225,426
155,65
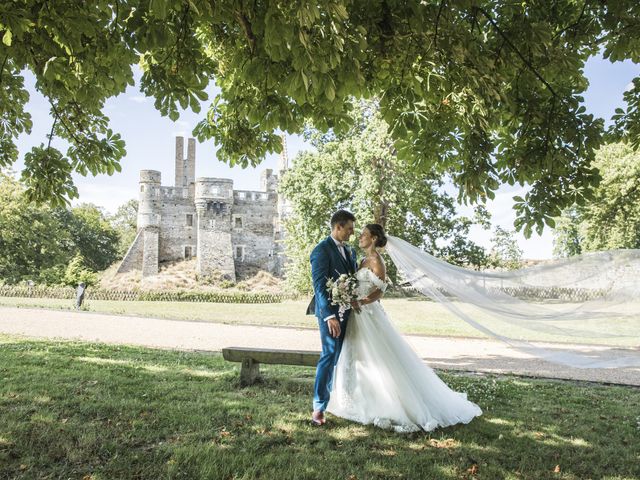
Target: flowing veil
x,y
583,311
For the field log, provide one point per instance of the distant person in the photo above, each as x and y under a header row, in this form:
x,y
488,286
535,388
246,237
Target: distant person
x,y
80,294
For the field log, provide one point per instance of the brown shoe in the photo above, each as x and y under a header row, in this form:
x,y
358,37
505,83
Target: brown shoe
x,y
317,418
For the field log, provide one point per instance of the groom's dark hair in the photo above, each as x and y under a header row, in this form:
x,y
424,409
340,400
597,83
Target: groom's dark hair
x,y
342,217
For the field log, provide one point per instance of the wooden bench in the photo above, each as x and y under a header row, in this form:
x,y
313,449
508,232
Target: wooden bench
x,y
251,358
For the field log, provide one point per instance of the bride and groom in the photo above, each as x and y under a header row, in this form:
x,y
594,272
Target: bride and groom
x,y
367,372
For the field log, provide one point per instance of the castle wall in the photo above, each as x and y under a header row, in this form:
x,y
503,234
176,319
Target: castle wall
x,y
150,251
133,258
175,233
256,211
214,204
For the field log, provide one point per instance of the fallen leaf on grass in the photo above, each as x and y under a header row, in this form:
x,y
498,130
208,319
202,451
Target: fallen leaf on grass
x,y
473,469
446,443
557,469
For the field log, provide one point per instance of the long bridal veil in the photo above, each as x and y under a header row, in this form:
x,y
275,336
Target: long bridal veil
x,y
583,311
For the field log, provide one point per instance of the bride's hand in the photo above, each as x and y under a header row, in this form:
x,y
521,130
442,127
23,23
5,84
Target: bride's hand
x,y
356,304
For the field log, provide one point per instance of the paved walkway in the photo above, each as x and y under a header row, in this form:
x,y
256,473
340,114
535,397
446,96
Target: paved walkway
x,y
476,355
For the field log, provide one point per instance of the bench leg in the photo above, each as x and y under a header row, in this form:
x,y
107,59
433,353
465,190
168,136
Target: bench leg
x,y
249,373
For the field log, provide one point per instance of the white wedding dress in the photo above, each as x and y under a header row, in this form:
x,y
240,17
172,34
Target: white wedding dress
x,y
380,380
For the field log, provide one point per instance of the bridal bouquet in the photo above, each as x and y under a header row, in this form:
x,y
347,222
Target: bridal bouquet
x,y
342,292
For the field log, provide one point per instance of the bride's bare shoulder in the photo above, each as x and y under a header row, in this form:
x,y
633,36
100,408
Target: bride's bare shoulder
x,y
377,266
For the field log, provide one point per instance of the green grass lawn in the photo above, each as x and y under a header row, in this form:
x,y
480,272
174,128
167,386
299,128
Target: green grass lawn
x,y
73,410
410,315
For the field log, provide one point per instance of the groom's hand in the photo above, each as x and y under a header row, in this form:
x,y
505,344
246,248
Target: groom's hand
x,y
334,327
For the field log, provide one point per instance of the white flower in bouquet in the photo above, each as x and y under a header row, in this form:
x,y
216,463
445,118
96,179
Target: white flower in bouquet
x,y
342,291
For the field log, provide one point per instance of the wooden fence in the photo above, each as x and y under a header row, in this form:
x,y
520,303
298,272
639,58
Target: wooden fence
x,y
141,295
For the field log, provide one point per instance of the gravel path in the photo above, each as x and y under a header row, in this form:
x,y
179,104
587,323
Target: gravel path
x,y
467,354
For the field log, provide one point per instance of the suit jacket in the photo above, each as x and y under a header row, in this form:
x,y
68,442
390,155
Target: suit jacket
x,y
327,262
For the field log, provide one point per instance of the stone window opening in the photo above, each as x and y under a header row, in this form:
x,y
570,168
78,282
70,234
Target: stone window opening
x,y
188,253
189,220
237,223
218,207
239,254
142,188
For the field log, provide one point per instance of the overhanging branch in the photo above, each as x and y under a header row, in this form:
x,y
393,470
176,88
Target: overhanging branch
x,y
517,51
248,32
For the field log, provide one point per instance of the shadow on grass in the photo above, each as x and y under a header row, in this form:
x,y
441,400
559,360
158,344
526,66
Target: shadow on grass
x,y
76,410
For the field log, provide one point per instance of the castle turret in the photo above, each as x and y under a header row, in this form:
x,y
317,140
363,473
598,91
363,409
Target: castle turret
x,y
268,181
283,161
186,167
214,201
149,219
284,211
180,162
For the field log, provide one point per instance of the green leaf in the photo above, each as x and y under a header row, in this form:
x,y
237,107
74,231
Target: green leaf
x,y
158,8
7,37
330,92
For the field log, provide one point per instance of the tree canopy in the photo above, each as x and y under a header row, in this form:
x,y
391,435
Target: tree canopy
x,y
612,219
359,170
125,222
485,90
37,243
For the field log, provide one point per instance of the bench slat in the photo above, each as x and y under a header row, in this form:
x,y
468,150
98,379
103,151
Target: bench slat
x,y
279,357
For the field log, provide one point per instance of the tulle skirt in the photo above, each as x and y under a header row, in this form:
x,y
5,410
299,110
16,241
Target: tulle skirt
x,y
380,380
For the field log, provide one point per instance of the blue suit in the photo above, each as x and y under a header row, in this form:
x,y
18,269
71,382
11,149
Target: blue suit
x,y
327,262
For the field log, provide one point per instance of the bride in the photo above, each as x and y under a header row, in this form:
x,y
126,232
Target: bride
x,y
379,379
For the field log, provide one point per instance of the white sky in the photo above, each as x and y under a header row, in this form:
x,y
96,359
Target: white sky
x,y
150,144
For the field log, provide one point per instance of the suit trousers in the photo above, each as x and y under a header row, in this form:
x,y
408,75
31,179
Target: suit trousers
x,y
331,348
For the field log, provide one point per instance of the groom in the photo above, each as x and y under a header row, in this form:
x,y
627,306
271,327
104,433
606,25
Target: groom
x,y
331,258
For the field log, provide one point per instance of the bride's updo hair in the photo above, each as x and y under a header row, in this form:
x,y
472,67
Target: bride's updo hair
x,y
377,231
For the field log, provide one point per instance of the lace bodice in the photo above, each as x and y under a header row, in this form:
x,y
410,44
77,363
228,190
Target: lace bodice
x,y
368,282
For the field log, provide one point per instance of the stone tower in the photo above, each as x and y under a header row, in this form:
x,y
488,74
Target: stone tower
x,y
149,220
214,203
268,181
283,212
186,167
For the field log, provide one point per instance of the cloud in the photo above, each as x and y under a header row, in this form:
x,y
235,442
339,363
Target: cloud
x,y
138,98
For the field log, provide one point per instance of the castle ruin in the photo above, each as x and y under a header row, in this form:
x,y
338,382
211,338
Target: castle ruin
x,y
229,232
